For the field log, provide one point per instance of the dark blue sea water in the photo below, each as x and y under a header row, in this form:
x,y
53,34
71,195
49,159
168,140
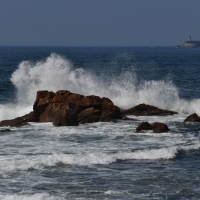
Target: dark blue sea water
x,y
101,160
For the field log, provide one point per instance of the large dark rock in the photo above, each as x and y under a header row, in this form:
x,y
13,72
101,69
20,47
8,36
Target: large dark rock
x,y
157,127
85,109
64,108
192,118
147,110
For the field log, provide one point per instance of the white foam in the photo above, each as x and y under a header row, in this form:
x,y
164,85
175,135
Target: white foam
x,y
113,192
38,196
190,147
22,162
102,152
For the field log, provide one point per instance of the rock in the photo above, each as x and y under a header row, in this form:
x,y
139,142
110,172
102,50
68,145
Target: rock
x,y
64,108
143,126
88,109
17,122
192,118
89,115
147,110
124,117
106,116
157,127
184,191
63,115
5,130
44,98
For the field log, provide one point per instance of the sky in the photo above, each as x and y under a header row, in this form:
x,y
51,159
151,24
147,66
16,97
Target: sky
x,y
98,22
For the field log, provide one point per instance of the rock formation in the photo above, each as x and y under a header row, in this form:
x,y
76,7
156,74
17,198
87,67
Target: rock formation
x,y
157,127
192,118
64,108
147,110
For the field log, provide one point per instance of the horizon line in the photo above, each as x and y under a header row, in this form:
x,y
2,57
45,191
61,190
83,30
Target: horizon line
x,y
87,46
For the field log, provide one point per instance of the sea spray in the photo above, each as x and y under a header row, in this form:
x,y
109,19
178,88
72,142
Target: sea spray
x,y
58,73
10,111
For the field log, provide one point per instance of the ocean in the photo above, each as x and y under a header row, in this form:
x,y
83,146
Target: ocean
x,y
101,160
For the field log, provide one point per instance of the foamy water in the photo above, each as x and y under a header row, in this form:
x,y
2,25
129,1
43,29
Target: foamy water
x,y
39,196
101,144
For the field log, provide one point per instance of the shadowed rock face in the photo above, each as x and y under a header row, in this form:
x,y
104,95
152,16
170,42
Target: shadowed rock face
x,y
89,115
192,118
157,127
147,110
64,108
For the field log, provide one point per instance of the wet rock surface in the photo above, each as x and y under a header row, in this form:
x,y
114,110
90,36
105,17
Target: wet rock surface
x,y
156,127
192,118
17,122
147,110
64,108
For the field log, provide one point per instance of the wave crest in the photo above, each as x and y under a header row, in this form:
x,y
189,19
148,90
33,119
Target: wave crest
x,y
125,90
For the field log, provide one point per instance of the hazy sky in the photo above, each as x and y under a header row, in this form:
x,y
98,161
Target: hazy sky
x,y
99,22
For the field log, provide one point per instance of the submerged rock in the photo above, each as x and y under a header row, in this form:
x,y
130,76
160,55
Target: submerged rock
x,y
5,130
147,110
185,191
64,108
127,118
192,118
157,127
